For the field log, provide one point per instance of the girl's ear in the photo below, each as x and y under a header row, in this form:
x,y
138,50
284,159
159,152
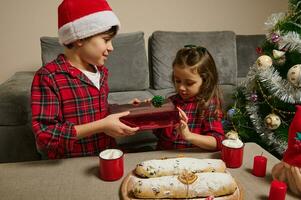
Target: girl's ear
x,y
79,43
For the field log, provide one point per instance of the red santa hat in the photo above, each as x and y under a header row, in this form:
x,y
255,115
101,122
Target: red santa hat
x,y
78,19
292,155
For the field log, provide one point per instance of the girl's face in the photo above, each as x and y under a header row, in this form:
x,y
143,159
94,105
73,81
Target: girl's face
x,y
95,50
187,81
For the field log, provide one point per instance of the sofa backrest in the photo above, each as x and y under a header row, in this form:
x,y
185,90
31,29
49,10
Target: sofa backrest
x,y
127,64
246,52
164,45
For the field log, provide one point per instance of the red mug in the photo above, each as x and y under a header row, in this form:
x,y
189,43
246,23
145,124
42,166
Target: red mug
x,y
232,156
110,164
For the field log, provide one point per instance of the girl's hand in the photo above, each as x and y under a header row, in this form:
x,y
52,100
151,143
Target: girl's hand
x,y
183,127
183,115
113,127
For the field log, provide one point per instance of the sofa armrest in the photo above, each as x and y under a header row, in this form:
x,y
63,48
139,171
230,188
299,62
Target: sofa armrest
x,y
15,99
17,142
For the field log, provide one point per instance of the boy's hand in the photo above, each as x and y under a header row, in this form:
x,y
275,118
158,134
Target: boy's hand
x,y
115,128
135,101
138,101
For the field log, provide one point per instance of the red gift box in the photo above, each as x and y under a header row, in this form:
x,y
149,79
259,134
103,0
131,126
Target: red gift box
x,y
146,116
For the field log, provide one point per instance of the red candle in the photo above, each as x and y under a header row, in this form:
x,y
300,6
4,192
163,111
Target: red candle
x,y
259,165
277,190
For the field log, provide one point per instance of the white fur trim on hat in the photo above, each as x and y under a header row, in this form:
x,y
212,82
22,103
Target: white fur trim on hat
x,y
87,26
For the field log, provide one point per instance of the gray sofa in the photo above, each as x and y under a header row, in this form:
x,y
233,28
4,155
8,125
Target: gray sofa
x,y
132,74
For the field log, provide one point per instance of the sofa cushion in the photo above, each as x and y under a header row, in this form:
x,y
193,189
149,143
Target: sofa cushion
x,y
15,99
126,97
164,45
163,92
246,52
127,64
17,144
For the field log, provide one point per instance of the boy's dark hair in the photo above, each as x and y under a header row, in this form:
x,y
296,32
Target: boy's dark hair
x,y
111,32
199,58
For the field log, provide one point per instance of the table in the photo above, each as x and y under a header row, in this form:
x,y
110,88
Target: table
x,y
77,178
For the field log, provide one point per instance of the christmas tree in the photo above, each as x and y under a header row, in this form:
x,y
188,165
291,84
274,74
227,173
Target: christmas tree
x,y
265,101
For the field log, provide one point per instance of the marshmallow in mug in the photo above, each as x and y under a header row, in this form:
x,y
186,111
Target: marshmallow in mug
x,y
233,143
110,154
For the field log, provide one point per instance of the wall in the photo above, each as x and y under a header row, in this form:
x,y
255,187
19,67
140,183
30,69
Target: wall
x,y
23,22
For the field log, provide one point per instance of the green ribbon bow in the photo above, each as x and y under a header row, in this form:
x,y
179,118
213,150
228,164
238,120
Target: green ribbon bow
x,y
157,101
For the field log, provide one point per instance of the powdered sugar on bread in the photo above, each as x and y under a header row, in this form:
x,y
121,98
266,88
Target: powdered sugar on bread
x,y
215,184
175,166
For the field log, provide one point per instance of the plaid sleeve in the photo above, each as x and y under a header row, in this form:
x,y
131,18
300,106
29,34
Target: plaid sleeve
x,y
212,123
54,136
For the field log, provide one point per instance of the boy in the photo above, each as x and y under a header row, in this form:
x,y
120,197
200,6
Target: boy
x,y
69,95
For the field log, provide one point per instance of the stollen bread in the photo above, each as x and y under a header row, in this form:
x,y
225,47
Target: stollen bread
x,y
207,184
176,166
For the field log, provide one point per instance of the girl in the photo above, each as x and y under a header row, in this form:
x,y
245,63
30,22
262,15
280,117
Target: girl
x,y
198,99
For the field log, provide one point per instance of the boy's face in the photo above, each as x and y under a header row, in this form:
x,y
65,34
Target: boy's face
x,y
96,49
187,81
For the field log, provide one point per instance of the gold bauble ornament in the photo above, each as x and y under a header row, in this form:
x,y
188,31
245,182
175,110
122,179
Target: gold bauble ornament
x,y
272,121
294,75
264,62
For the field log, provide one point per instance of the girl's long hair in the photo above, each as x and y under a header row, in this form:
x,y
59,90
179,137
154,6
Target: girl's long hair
x,y
199,58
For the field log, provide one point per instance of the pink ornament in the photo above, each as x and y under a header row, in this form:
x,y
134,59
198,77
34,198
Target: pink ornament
x,y
254,97
275,37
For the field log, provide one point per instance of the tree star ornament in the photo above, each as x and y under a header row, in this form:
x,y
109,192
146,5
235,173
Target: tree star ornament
x,y
264,62
294,75
272,121
157,101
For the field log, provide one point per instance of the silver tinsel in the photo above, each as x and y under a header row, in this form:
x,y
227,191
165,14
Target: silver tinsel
x,y
281,88
273,20
291,41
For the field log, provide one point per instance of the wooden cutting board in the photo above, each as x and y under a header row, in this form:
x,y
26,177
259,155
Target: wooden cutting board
x,y
126,188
